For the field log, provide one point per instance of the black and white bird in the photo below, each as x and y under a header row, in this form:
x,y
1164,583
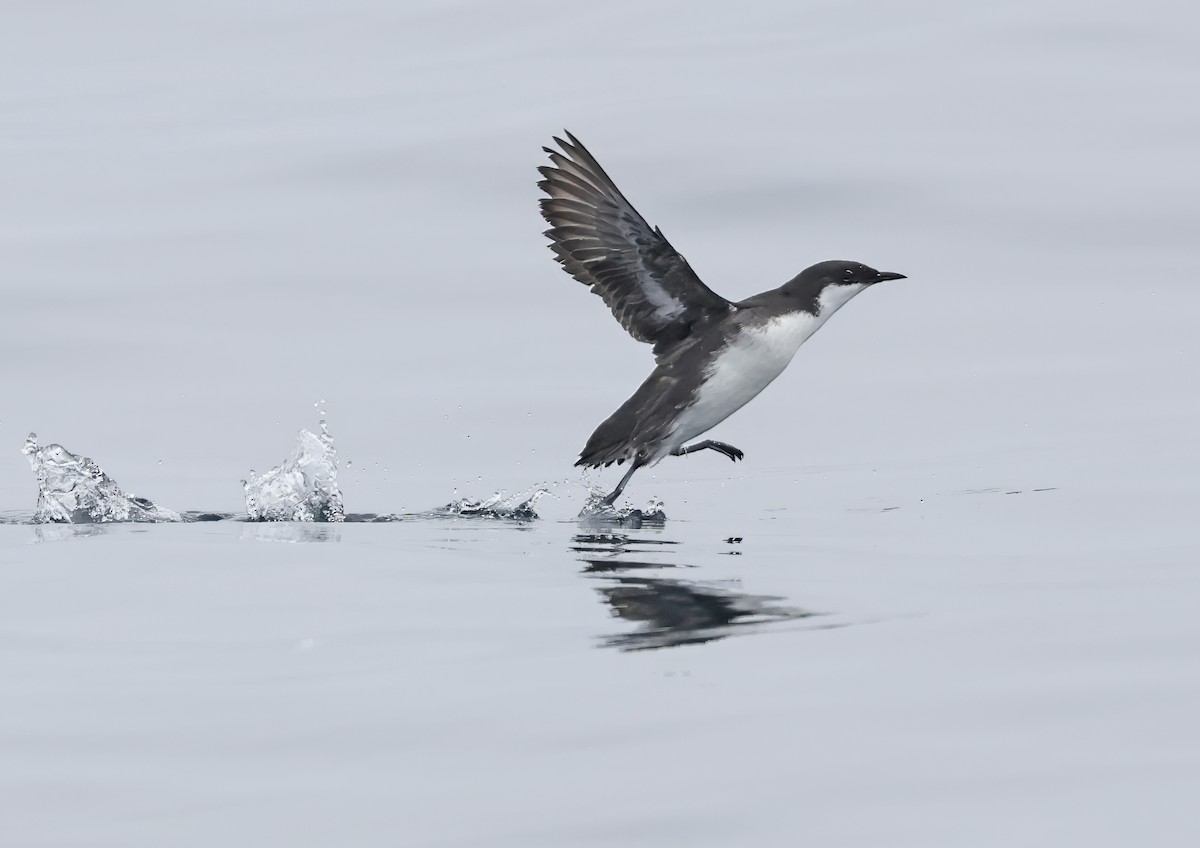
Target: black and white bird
x,y
713,355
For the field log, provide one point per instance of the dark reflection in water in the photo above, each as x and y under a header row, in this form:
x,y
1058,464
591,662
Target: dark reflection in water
x,y
617,566
678,612
615,543
670,611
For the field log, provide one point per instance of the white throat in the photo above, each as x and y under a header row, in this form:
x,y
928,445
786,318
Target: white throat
x,y
834,298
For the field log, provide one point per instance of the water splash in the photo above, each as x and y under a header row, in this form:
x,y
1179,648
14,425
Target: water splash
x,y
518,507
75,490
303,488
596,512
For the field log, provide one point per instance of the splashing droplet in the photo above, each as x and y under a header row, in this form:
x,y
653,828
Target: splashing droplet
x,y
75,490
303,488
518,507
596,511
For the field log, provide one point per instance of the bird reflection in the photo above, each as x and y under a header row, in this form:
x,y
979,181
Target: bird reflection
x,y
670,611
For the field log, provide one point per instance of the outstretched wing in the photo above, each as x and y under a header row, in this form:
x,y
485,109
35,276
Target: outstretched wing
x,y
604,243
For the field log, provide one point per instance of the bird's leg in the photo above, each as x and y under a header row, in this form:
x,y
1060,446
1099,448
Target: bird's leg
x,y
616,493
720,447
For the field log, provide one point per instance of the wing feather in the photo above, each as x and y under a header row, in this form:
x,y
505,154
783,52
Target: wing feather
x,y
602,241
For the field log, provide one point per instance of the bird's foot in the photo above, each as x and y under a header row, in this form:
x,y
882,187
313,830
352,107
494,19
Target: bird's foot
x,y
708,444
727,450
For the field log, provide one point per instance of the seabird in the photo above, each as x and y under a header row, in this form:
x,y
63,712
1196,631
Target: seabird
x,y
713,355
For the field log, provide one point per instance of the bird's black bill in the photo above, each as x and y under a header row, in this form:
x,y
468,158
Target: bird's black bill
x,y
888,275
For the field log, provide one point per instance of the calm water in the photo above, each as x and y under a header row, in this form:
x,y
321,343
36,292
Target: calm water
x,y
458,681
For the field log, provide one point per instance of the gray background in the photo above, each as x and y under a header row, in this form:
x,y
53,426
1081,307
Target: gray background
x,y
214,215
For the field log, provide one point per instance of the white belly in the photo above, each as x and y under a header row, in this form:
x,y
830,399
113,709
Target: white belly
x,y
741,371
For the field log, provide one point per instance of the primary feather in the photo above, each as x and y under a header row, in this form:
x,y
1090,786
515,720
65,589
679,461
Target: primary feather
x,y
602,241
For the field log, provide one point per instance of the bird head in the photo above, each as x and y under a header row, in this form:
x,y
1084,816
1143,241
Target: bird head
x,y
828,285
841,273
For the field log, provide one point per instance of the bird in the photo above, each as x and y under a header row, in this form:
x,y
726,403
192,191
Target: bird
x,y
712,355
